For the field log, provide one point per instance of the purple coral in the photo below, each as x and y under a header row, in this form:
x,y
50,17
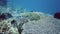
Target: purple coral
x,y
5,16
57,15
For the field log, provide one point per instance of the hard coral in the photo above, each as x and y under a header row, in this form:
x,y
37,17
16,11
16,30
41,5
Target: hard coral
x,y
7,27
57,15
13,21
24,20
31,16
20,30
46,25
5,16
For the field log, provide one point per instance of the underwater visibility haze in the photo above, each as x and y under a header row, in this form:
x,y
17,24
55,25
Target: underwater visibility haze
x,y
29,16
46,6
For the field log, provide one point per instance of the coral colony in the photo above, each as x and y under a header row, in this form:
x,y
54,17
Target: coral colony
x,y
57,15
12,22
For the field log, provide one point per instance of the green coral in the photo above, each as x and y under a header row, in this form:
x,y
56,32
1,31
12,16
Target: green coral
x,y
31,16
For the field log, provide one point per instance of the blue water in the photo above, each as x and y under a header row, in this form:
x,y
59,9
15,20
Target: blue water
x,y
46,6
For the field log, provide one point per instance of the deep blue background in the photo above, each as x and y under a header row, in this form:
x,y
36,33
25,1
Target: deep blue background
x,y
46,6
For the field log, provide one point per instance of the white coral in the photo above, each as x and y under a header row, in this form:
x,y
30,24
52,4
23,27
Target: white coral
x,y
46,25
8,28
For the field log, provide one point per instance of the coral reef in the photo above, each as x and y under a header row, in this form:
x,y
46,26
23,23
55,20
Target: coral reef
x,y
57,15
5,16
7,28
27,22
46,25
